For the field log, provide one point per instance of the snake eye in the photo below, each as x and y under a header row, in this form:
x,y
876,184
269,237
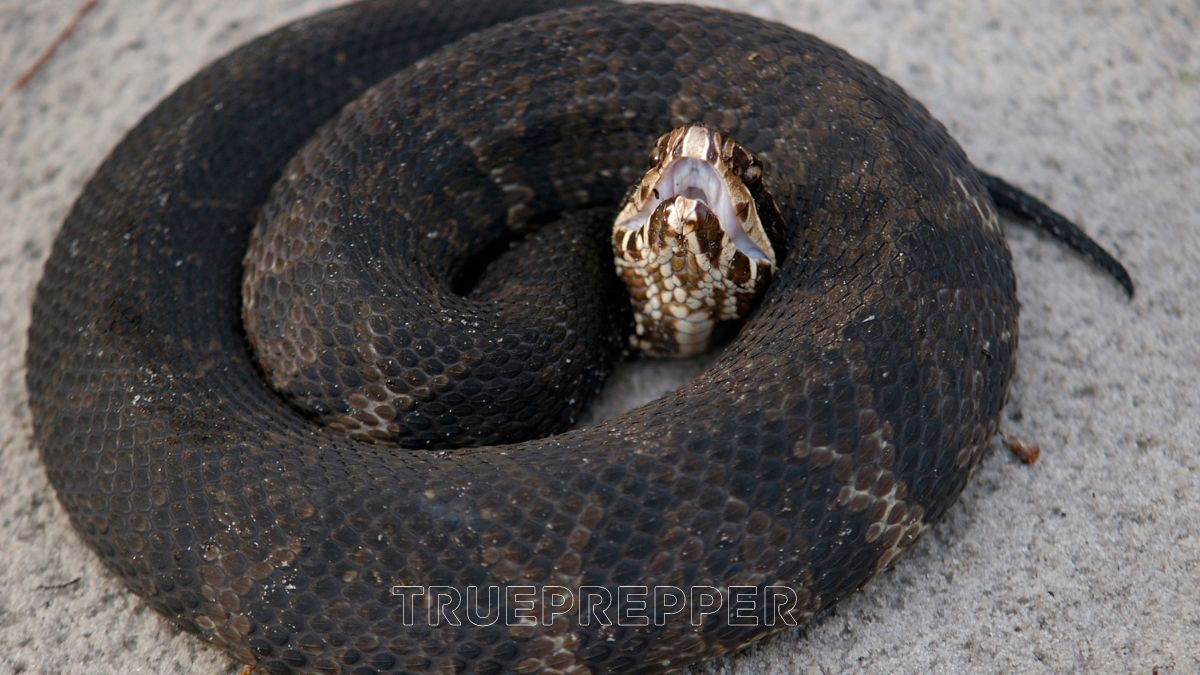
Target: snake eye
x,y
656,156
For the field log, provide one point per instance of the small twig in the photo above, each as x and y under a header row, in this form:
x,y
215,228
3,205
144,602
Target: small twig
x,y
1028,453
56,587
42,58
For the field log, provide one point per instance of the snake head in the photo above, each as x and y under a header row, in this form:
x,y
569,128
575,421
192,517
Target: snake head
x,y
690,241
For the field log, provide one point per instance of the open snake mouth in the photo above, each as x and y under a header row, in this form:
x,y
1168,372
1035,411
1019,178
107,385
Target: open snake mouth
x,y
690,241
699,181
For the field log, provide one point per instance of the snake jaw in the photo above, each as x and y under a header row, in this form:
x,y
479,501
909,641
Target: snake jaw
x,y
690,243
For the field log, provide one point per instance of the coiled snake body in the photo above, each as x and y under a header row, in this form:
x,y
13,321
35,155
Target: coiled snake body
x,y
840,423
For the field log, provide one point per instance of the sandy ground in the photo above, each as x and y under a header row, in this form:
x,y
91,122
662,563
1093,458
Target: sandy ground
x,y
1087,561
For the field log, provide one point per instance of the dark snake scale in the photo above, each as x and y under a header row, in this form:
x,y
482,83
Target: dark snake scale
x,y
837,426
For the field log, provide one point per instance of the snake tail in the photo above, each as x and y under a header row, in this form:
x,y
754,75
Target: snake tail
x,y
1036,213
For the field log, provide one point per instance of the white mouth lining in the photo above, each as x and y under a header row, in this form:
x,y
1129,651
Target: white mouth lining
x,y
697,179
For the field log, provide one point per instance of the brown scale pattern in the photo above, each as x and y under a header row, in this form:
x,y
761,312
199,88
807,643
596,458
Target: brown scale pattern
x,y
842,421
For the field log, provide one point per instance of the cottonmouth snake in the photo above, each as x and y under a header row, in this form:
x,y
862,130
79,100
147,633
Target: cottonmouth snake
x,y
840,423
